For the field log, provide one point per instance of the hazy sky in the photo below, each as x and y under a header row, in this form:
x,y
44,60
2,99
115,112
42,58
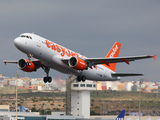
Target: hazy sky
x,y
89,27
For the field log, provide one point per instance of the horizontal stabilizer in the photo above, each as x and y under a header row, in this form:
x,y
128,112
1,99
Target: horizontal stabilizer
x,y
125,74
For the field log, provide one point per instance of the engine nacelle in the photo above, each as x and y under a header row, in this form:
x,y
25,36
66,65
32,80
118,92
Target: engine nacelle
x,y
23,65
77,63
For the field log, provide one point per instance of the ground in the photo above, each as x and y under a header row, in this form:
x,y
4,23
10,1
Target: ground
x,y
102,102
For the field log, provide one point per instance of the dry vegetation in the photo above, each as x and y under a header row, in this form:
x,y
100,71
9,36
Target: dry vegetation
x,y
102,102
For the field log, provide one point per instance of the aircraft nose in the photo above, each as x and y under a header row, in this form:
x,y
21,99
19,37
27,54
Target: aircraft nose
x,y
21,44
17,42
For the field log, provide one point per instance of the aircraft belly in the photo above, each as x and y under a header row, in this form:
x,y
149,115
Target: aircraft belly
x,y
57,64
64,69
98,75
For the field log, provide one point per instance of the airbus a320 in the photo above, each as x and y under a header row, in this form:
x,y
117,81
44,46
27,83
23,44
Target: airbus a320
x,y
49,55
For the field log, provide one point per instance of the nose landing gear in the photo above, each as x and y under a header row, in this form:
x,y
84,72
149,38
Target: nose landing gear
x,y
29,58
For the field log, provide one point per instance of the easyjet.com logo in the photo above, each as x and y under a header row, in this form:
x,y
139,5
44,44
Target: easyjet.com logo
x,y
114,51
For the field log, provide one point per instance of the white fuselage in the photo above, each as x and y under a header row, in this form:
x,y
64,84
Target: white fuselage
x,y
51,55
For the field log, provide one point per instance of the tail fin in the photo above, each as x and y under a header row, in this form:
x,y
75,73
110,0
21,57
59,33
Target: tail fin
x,y
114,52
121,115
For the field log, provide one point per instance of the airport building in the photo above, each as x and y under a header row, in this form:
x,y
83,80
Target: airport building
x,y
34,116
4,108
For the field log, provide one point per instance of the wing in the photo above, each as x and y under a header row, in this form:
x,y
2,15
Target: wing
x,y
96,61
16,61
10,61
107,61
37,63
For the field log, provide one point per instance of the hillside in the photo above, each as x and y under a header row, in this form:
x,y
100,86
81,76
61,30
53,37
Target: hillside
x,y
102,102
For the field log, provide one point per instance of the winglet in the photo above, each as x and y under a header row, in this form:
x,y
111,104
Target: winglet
x,y
5,62
154,56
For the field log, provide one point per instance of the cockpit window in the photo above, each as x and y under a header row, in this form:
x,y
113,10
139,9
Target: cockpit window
x,y
26,36
22,36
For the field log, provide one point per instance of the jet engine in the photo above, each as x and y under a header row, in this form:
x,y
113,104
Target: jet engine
x,y
26,65
77,63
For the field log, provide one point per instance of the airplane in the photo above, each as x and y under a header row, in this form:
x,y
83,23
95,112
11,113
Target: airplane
x,y
121,115
49,54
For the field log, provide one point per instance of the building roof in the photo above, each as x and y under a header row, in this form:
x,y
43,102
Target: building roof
x,y
19,114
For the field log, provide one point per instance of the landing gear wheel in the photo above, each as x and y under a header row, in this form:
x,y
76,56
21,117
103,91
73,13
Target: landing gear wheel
x,y
28,64
45,79
79,79
83,78
49,79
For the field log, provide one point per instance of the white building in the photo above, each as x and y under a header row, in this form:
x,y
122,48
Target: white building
x,y
128,86
19,82
34,81
112,85
80,98
39,88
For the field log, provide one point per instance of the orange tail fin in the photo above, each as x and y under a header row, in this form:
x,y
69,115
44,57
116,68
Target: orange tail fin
x,y
114,52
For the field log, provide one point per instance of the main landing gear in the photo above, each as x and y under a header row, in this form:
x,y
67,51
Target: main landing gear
x,y
46,69
47,78
81,78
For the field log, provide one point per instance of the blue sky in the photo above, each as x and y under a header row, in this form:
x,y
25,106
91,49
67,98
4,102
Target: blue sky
x,y
89,27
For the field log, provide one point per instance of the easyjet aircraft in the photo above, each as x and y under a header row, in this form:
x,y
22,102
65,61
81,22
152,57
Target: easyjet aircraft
x,y
52,55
